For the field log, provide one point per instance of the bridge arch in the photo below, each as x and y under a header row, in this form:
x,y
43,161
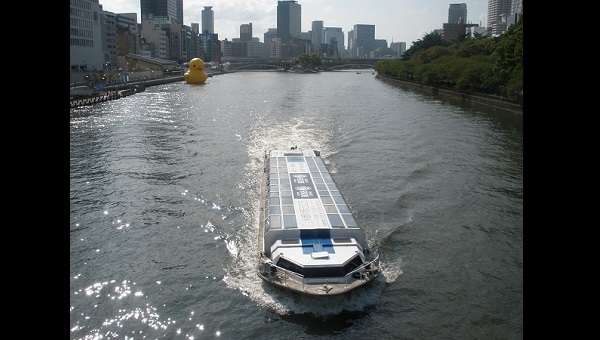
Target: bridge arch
x,y
286,65
242,66
350,66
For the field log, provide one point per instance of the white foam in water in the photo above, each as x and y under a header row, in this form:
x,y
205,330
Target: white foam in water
x,y
231,247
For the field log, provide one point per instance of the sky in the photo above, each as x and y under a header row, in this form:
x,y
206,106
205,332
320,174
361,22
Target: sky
x,y
395,20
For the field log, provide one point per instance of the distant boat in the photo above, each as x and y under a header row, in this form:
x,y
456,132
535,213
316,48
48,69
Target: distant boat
x,y
357,72
309,242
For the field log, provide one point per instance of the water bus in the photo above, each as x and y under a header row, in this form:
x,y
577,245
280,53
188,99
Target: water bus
x,y
309,241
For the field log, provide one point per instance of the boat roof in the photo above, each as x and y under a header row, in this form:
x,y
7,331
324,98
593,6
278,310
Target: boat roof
x,y
304,203
302,193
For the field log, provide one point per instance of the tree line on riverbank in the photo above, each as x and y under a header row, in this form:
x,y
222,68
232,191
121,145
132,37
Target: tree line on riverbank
x,y
492,66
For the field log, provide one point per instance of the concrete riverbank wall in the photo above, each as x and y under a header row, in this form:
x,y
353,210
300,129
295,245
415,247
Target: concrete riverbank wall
x,y
116,90
490,101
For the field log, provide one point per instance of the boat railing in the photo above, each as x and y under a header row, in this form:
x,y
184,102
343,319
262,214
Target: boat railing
x,y
363,274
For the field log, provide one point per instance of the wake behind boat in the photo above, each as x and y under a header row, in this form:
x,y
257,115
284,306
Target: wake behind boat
x,y
309,242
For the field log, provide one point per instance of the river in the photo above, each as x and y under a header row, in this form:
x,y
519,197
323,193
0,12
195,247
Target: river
x,y
164,199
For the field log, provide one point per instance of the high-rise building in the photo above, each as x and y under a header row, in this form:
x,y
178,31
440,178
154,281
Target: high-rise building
x,y
86,38
269,34
246,32
399,48
317,32
179,6
498,12
362,41
108,29
208,20
517,6
334,36
127,34
195,27
457,14
288,20
515,13
172,9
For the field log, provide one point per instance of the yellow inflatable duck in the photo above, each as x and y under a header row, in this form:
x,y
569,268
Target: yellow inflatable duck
x,y
196,74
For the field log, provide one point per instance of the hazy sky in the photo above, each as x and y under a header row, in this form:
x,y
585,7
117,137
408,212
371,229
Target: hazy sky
x,y
394,20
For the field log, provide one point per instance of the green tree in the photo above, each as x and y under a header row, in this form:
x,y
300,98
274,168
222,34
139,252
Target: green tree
x,y
478,65
308,61
429,40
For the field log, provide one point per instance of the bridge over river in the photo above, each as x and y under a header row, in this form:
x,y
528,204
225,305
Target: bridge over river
x,y
327,65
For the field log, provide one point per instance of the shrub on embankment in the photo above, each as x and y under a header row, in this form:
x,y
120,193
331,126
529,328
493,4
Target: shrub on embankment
x,y
479,65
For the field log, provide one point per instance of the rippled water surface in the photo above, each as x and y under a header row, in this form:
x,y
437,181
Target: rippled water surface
x,y
164,197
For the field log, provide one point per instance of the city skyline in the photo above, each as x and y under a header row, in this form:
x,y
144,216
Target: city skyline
x,y
394,20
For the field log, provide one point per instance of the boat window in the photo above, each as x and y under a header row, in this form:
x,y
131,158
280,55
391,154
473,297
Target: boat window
x,y
290,241
323,272
335,220
288,209
329,208
321,186
274,209
326,200
324,193
353,264
287,200
342,240
339,200
286,193
350,221
343,208
289,221
308,234
275,221
285,264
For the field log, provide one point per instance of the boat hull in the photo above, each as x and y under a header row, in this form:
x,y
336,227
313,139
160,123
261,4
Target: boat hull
x,y
287,280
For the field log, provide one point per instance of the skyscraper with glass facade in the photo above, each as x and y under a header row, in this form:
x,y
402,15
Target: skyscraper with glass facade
x,y
288,20
173,9
457,14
